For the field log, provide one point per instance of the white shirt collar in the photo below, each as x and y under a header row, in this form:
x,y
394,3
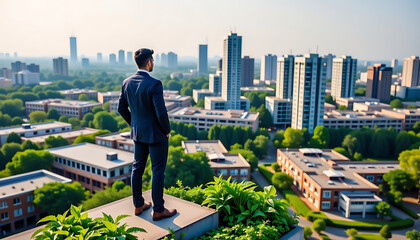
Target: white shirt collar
x,y
142,70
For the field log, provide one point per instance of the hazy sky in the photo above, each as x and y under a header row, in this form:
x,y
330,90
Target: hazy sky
x,y
365,29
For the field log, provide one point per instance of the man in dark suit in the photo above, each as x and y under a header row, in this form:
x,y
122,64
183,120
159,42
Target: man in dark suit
x,y
150,130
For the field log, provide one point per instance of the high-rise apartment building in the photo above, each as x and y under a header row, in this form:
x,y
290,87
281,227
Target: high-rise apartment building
x,y
308,92
18,66
34,68
73,49
130,58
268,67
219,65
231,76
121,57
343,77
394,63
215,83
60,66
284,85
202,66
329,60
99,57
25,77
379,79
112,59
172,60
85,62
411,72
247,72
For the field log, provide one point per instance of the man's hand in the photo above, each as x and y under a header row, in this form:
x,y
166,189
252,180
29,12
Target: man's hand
x,y
168,135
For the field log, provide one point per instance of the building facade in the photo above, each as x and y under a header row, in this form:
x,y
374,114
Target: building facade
x,y
74,93
268,67
343,77
73,49
379,79
247,72
285,71
104,97
204,119
121,57
409,117
308,92
69,108
61,66
280,110
329,61
26,78
411,72
202,66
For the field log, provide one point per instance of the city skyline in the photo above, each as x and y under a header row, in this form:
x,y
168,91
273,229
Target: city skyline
x,y
330,29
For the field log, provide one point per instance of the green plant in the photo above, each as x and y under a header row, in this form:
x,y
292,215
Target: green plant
x,y
385,232
263,231
265,172
351,232
80,226
275,166
383,209
281,180
319,225
299,206
307,232
195,195
413,235
239,203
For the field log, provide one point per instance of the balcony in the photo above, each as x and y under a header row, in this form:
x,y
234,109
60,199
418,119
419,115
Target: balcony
x,y
191,219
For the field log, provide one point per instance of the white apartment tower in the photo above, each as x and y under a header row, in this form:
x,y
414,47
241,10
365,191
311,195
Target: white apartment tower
x,y
231,76
343,77
308,92
268,67
284,89
411,72
202,65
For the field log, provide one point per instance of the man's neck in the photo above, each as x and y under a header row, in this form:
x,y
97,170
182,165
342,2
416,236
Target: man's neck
x,y
143,70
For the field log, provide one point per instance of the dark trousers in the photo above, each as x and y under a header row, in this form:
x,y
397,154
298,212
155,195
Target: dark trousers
x,y
158,155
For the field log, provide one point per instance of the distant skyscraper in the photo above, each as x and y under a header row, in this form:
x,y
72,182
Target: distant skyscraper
x,y
15,55
18,66
157,59
164,59
202,65
112,59
219,65
172,60
130,58
329,60
284,84
268,67
73,49
394,63
308,92
99,57
231,78
411,72
215,83
85,62
33,68
379,79
6,73
343,77
247,72
121,57
60,66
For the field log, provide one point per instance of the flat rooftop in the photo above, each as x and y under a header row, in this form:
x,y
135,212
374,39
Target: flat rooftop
x,y
200,112
231,160
94,155
219,99
316,166
112,94
33,127
371,103
117,136
407,111
359,99
176,98
202,90
279,99
65,103
346,115
192,219
68,134
28,182
76,91
252,89
207,146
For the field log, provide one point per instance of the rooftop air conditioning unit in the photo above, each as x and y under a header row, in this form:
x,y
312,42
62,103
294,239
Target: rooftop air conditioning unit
x,y
112,156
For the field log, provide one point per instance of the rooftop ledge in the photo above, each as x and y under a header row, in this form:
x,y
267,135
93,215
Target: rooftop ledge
x,y
191,219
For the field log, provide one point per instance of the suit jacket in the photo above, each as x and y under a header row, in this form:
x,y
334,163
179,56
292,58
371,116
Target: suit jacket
x,y
147,117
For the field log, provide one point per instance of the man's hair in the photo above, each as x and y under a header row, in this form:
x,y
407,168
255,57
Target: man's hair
x,y
142,56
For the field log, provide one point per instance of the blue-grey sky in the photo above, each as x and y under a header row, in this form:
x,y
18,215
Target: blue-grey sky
x,y
365,29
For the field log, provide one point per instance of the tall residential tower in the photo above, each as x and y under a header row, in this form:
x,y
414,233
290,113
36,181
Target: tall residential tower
x,y
247,72
284,84
268,67
411,72
202,66
343,77
73,49
379,79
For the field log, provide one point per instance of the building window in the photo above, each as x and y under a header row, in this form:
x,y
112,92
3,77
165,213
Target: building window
x,y
370,178
104,173
5,216
325,205
3,205
336,193
233,171
18,212
121,171
113,173
16,201
30,198
379,179
31,208
98,142
222,172
326,194
244,171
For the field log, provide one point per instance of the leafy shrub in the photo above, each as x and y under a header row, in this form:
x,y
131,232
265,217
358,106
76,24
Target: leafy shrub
x,y
195,195
307,232
275,166
265,172
118,191
319,225
413,235
282,180
80,226
263,231
351,232
239,203
385,232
